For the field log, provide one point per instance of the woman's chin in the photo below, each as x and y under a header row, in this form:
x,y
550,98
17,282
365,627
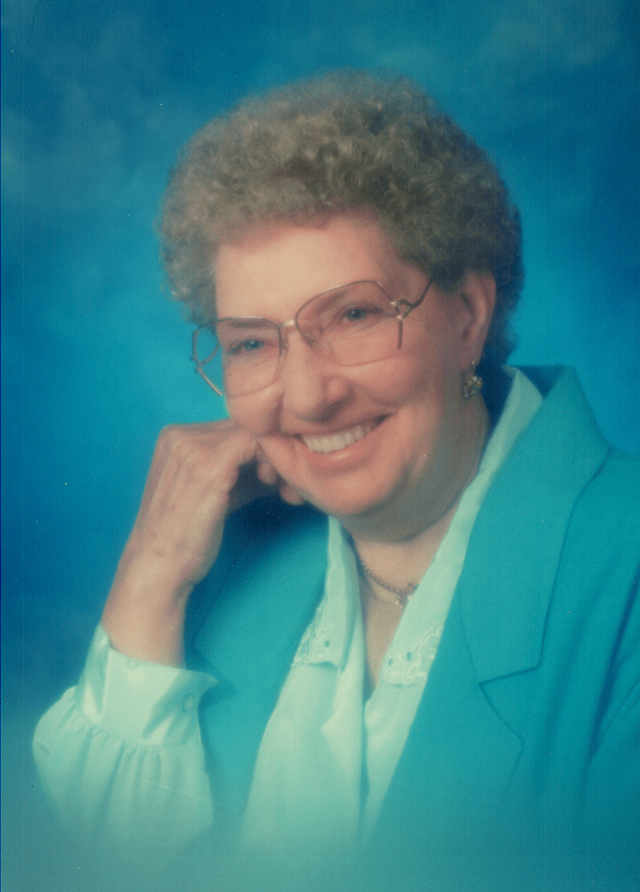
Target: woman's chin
x,y
344,504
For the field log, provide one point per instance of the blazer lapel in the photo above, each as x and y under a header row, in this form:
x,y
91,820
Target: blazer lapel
x,y
462,750
516,545
250,636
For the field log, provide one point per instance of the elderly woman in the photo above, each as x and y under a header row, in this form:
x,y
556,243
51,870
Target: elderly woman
x,y
434,645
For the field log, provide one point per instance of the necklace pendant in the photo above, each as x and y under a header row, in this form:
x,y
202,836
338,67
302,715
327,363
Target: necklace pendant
x,y
403,598
402,594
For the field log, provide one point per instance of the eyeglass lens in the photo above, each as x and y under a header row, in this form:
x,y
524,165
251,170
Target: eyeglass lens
x,y
352,325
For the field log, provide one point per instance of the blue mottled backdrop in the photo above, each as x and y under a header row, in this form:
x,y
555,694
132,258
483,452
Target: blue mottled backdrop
x,y
97,98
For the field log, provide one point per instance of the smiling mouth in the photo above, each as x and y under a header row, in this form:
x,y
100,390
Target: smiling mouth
x,y
340,439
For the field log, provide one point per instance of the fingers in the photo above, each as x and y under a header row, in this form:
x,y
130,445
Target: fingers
x,y
249,486
209,455
267,473
195,474
289,494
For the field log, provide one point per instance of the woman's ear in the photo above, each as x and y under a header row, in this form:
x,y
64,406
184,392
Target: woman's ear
x,y
478,294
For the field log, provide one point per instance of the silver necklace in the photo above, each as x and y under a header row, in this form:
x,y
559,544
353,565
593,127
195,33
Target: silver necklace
x,y
403,595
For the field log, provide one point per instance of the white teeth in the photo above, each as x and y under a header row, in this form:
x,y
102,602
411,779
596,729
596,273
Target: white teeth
x,y
339,440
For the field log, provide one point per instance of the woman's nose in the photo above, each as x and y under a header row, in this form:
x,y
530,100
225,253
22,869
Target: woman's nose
x,y
313,387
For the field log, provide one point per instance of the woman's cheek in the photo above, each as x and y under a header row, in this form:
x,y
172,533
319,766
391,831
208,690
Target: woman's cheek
x,y
250,414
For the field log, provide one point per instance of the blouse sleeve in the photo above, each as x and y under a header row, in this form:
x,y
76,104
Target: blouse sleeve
x,y
121,754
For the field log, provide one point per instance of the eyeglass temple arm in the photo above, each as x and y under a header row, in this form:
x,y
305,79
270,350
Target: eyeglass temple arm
x,y
403,308
199,371
199,364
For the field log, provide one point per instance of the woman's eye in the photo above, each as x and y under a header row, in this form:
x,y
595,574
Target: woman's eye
x,y
250,345
356,314
361,314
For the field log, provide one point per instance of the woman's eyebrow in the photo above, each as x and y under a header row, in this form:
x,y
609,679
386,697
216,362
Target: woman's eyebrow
x,y
245,321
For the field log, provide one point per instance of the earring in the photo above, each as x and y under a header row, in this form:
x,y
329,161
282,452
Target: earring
x,y
471,383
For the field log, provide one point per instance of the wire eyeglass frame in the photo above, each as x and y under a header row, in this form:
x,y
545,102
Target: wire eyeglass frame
x,y
402,308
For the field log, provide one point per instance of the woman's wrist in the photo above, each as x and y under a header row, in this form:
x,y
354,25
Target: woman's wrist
x,y
148,636
144,616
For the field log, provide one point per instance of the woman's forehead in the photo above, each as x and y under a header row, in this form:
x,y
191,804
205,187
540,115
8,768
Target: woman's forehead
x,y
276,268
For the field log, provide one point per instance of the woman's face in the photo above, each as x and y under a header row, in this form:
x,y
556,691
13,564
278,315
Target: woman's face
x,y
419,432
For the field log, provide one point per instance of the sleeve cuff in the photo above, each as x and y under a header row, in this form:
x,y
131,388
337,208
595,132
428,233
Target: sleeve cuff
x,y
143,704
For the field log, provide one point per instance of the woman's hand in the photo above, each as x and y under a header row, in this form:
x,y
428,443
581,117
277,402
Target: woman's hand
x,y
199,474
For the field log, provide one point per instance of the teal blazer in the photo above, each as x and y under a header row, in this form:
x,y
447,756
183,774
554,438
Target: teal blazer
x,y
529,726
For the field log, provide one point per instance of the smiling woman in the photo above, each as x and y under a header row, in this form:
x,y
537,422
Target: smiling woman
x,y
432,650
408,397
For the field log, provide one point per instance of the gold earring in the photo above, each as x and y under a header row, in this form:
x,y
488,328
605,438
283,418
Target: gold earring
x,y
471,383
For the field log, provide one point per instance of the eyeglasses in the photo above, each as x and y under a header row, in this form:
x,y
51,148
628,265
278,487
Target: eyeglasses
x,y
351,325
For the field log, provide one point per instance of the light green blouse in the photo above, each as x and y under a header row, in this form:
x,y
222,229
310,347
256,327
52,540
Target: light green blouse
x,y
121,754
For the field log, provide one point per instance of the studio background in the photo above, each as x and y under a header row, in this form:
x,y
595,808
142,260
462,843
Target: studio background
x,y
97,99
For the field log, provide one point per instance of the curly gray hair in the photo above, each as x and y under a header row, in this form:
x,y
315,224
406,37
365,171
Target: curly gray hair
x,y
343,141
